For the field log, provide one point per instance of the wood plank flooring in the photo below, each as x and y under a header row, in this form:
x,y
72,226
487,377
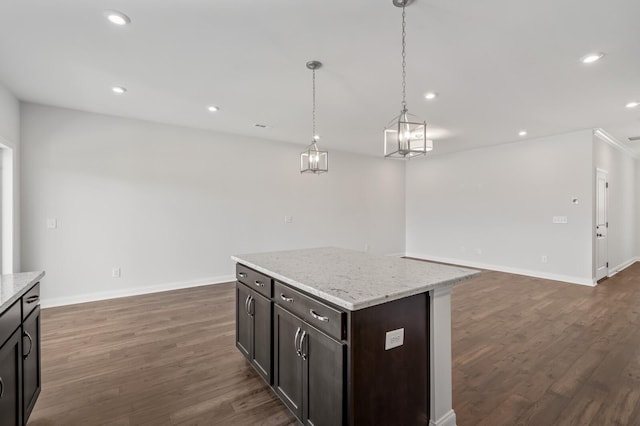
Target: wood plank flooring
x,y
526,351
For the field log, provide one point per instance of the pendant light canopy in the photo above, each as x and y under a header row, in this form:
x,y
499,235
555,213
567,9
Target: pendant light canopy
x,y
405,136
312,160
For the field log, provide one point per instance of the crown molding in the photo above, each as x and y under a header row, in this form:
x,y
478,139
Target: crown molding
x,y
606,137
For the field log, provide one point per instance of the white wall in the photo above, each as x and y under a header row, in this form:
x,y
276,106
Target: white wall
x,y
621,203
9,158
169,205
493,207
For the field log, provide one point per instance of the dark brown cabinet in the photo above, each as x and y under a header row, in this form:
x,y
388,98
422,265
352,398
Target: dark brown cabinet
x,y
308,370
253,329
287,359
20,379
11,381
31,375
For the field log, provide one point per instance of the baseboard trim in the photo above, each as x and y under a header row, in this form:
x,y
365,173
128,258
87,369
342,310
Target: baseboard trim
x,y
499,268
135,291
399,254
621,267
448,419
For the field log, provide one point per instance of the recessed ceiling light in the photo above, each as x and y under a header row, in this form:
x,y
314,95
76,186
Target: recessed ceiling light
x,y
632,104
213,108
522,133
117,18
118,89
592,57
431,95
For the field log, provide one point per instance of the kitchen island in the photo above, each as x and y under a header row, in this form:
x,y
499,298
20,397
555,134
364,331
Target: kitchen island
x,y
349,338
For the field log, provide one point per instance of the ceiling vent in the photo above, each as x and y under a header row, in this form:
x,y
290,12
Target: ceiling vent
x,y
634,138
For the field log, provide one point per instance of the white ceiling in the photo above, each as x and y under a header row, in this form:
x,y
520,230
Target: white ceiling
x,y
499,65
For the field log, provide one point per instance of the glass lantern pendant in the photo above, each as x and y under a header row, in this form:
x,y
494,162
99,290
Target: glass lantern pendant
x,y
406,135
313,160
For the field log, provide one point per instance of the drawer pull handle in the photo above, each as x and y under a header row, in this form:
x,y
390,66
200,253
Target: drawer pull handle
x,y
302,352
295,342
242,275
318,317
32,299
1,387
28,336
285,298
246,305
259,283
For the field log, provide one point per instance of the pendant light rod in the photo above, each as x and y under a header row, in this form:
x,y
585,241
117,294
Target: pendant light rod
x,y
313,66
404,60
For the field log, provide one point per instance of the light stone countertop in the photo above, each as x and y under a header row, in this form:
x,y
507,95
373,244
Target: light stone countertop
x,y
352,279
14,286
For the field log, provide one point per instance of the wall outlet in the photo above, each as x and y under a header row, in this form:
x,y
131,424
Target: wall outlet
x,y
288,219
115,272
545,259
52,223
560,219
479,251
366,247
393,339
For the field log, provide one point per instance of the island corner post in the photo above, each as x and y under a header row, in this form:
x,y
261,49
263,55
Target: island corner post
x,y
352,338
441,411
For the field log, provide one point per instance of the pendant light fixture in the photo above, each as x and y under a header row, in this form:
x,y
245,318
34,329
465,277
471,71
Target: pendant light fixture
x,y
405,136
312,160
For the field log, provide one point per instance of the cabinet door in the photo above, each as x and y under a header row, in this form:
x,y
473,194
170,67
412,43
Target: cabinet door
x,y
261,333
323,379
11,381
31,361
287,362
243,320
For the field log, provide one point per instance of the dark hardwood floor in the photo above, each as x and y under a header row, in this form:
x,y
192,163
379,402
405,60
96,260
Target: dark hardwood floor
x,y
526,351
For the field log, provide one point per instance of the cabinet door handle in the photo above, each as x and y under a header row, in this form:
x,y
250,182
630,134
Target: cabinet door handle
x,y
1,387
304,355
252,306
32,299
28,336
318,317
259,283
295,342
246,304
285,298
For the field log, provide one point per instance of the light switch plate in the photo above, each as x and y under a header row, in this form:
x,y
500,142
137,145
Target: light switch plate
x,y
52,223
393,339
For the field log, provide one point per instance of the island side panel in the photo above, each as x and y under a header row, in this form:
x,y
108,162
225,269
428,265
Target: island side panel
x,y
390,386
442,413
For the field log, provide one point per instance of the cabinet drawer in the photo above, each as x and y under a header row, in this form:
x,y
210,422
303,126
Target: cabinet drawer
x,y
314,312
9,321
30,300
254,279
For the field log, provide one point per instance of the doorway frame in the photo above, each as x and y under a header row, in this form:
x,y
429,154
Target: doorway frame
x,y
598,171
7,210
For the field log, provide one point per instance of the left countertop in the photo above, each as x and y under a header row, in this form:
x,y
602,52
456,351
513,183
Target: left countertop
x,y
14,286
